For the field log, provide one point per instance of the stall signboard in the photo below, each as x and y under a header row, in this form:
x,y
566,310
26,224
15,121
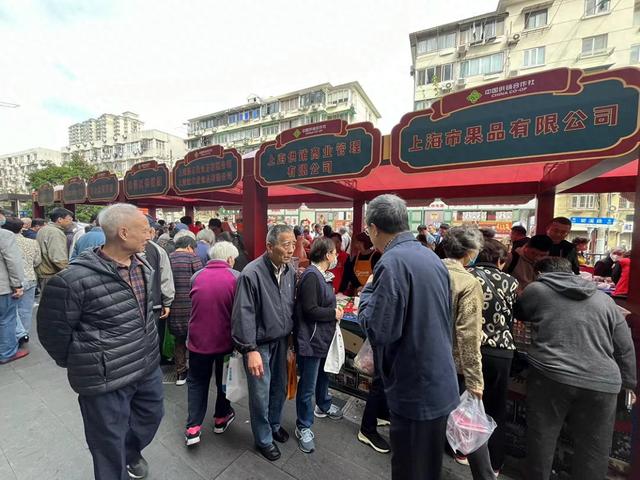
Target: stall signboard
x,y
103,187
561,114
74,191
147,179
45,194
319,152
598,221
207,169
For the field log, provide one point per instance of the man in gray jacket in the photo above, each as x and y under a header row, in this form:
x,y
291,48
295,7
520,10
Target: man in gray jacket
x,y
581,356
262,319
11,278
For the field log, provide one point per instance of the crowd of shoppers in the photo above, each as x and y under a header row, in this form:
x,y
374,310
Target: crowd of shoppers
x,y
437,327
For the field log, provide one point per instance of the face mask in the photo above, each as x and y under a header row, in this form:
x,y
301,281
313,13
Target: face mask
x,y
472,262
3,220
615,258
333,264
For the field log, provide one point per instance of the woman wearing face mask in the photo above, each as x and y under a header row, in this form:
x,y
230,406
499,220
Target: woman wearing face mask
x,y
316,315
461,247
604,267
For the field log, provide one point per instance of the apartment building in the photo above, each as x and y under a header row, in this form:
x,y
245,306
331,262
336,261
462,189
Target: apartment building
x,y
16,167
258,120
599,207
527,36
117,142
104,128
523,36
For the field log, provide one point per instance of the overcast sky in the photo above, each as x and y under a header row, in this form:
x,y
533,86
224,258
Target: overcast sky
x,y
64,61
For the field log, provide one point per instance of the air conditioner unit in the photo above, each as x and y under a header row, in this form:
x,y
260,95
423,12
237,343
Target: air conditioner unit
x,y
461,82
315,107
446,86
514,39
462,50
512,73
412,70
281,115
273,116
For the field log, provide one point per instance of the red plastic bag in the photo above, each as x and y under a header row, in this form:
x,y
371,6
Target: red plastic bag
x,y
292,375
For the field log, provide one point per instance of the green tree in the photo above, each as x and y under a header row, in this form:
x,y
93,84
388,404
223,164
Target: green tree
x,y
57,175
76,166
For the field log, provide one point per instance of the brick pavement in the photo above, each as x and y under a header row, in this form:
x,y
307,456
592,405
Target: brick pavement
x,y
42,438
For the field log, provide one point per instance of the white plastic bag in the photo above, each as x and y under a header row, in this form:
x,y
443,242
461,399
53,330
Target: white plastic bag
x,y
335,357
236,386
364,359
225,372
468,426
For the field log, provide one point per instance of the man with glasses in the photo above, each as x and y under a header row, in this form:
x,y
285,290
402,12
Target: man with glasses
x,y
558,230
262,319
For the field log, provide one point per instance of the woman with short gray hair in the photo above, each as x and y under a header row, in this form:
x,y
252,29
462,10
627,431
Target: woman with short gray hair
x,y
461,247
205,238
209,339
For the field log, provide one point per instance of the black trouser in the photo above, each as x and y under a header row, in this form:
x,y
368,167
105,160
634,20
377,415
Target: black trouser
x,y
118,425
495,371
198,380
376,407
591,416
417,448
479,461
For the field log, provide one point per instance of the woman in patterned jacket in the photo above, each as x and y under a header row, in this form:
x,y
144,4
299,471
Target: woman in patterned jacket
x,y
500,293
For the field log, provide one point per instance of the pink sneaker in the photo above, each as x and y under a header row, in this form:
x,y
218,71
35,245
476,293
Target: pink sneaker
x,y
19,354
220,424
192,436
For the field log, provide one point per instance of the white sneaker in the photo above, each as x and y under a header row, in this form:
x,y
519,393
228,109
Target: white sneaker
x,y
334,412
305,440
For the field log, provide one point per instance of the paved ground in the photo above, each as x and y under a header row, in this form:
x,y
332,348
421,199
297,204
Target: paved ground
x,y
41,437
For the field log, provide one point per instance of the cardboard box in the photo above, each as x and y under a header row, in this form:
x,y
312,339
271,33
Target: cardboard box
x,y
352,342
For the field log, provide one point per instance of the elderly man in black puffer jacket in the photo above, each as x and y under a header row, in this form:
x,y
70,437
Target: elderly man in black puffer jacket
x,y
95,319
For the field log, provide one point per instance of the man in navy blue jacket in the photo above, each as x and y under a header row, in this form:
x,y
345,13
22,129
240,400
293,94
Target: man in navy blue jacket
x,y
406,311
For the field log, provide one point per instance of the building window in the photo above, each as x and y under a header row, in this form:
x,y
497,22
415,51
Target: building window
x,y
422,104
625,204
421,79
594,45
595,7
270,108
439,42
269,130
233,118
534,57
339,96
289,104
447,40
535,19
483,65
635,54
583,202
636,14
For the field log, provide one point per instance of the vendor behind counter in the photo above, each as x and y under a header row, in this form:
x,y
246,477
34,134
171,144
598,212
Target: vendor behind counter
x,y
359,267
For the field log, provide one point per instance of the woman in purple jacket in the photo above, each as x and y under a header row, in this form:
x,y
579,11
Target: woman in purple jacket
x,y
209,340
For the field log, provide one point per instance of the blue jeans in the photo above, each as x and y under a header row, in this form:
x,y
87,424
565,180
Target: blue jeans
x,y
8,318
313,379
25,310
268,393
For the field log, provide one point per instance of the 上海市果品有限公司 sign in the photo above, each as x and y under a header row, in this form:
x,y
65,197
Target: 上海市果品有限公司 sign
x,y
561,114
74,190
207,169
146,179
45,194
318,152
103,187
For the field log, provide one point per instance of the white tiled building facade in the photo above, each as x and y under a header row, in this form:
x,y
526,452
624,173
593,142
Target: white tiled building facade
x,y
16,167
246,126
524,36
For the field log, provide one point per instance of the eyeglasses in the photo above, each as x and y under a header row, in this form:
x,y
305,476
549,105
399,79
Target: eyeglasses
x,y
366,230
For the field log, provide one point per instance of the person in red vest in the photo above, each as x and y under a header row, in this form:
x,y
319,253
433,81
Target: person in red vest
x,y
620,275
